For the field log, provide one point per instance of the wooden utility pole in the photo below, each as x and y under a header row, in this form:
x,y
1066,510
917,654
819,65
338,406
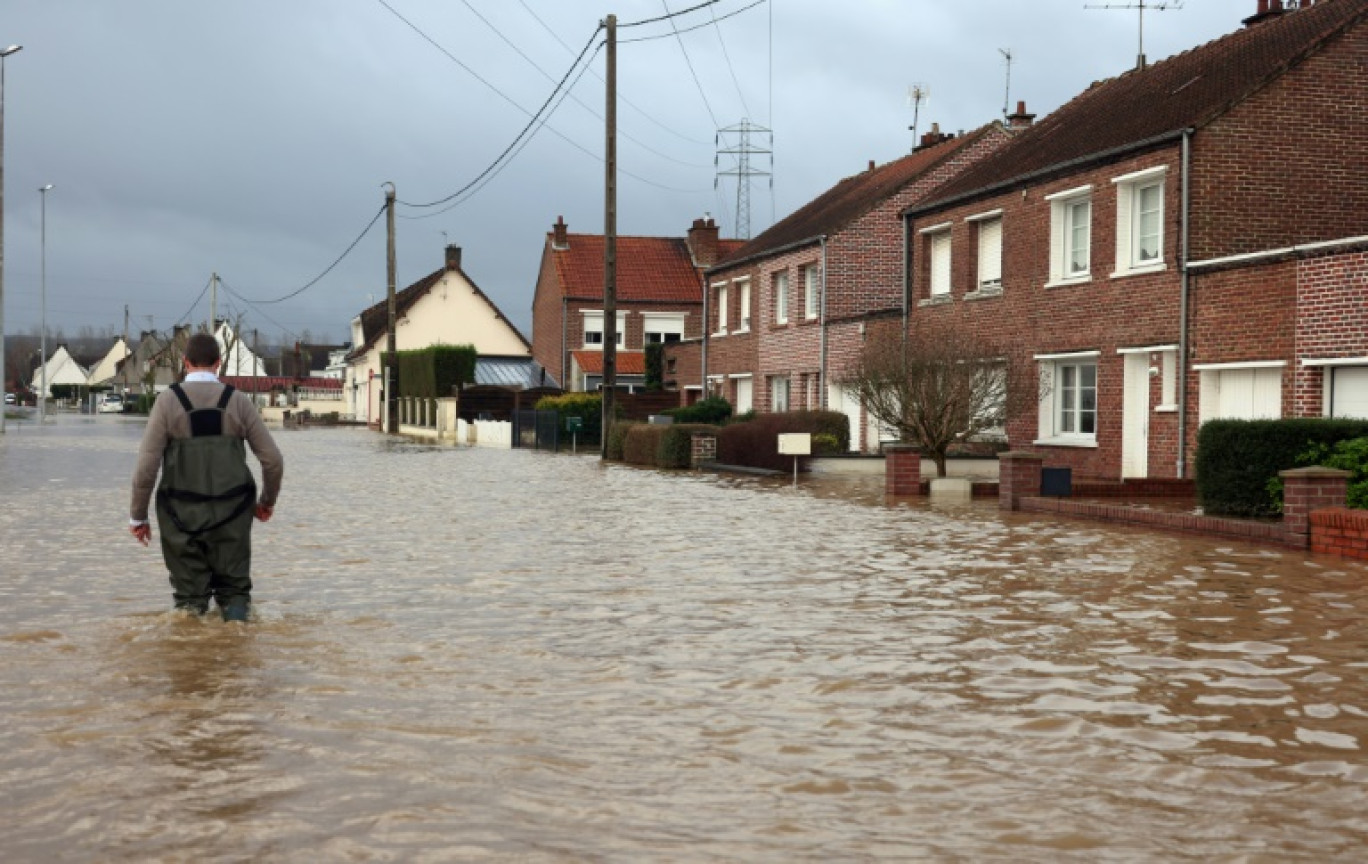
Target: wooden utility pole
x,y
610,237
391,342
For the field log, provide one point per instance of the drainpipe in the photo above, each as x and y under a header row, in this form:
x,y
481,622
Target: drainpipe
x,y
1183,306
565,324
822,363
703,352
906,282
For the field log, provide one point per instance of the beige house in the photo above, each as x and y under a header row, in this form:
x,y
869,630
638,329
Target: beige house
x,y
106,370
443,308
62,368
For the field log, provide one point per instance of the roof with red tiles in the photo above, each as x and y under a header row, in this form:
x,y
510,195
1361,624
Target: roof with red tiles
x,y
1147,106
628,362
850,199
648,268
266,384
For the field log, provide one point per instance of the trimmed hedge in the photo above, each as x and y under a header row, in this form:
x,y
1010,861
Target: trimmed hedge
x,y
435,371
617,435
642,443
659,446
1237,460
713,410
586,406
755,443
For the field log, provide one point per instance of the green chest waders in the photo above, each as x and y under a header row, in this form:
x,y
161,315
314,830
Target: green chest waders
x,y
204,511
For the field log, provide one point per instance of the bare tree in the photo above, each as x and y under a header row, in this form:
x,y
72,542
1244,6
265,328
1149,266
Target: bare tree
x,y
940,386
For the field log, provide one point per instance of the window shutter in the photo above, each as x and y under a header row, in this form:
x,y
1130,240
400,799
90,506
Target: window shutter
x,y
990,253
940,263
1125,206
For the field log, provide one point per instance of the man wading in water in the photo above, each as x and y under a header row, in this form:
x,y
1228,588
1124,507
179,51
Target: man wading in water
x,y
207,496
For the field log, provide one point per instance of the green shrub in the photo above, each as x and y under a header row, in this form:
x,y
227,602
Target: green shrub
x,y
755,443
617,435
1238,460
655,367
586,406
712,410
641,444
826,444
435,371
1349,455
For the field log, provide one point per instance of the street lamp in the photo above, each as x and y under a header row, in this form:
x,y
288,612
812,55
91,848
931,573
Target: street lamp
x,y
3,54
42,339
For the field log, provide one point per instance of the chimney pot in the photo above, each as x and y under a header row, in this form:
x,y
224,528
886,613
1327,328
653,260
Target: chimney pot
x,y
1020,120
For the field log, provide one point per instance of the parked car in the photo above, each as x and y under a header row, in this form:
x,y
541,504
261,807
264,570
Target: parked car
x,y
9,399
112,403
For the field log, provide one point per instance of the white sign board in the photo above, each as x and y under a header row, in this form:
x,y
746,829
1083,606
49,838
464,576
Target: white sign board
x,y
795,444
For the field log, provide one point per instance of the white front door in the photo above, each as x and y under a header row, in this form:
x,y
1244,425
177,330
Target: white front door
x,y
744,400
1135,417
843,400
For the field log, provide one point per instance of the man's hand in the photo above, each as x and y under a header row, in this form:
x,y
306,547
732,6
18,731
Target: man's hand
x,y
142,533
263,512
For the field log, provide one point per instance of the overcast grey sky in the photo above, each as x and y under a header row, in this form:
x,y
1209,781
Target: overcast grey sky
x,y
251,138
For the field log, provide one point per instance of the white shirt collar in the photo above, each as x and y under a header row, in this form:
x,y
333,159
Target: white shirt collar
x,y
201,376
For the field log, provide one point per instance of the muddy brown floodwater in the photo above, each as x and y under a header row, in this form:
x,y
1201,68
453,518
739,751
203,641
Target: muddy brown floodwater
x,y
502,655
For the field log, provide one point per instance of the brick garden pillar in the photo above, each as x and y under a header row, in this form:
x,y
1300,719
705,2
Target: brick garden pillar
x,y
1309,489
702,448
902,469
1018,477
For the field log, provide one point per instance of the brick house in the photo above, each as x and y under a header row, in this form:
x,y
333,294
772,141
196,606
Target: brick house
x,y
1147,247
787,311
659,299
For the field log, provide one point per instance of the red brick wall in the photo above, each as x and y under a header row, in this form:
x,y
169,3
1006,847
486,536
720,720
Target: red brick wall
x,y
1104,314
546,319
1340,531
1332,320
1286,165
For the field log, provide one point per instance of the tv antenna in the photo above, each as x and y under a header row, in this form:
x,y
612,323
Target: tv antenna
x,y
1007,93
1140,6
917,94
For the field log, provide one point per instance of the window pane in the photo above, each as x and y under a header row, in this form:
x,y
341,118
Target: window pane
x,y
1149,203
1078,237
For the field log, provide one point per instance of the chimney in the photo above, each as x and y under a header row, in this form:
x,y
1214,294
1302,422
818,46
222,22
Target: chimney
x,y
1265,10
559,238
703,242
871,164
453,257
1020,120
932,138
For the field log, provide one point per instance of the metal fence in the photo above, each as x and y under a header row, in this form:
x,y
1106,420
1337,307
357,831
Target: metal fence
x,y
536,430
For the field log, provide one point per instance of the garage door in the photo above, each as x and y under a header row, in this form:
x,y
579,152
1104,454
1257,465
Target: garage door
x,y
1349,391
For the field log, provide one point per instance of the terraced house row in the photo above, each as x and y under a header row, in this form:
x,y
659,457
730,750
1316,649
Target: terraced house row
x,y
1185,241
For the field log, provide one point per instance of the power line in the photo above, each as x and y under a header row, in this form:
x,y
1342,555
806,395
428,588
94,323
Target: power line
x,y
330,267
283,329
693,28
730,68
689,63
668,14
643,145
191,310
629,103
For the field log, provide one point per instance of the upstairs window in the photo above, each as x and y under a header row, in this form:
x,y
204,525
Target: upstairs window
x,y
593,329
938,258
721,309
663,327
1071,235
743,289
1140,221
781,297
989,229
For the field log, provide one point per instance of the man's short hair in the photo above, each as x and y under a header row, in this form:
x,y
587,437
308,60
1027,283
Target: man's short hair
x,y
202,351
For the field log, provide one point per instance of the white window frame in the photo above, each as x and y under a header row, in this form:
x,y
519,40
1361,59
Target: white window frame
x,y
810,286
1130,189
662,324
779,286
721,290
779,393
1064,240
743,292
1054,404
938,255
989,228
592,316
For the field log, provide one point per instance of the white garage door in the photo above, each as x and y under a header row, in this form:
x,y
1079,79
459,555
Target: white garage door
x,y
1349,391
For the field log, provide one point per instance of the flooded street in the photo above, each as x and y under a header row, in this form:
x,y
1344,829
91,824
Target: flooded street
x,y
503,655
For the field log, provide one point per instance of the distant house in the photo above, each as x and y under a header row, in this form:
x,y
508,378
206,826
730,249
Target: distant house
x,y
787,310
61,368
105,371
445,307
1183,242
237,359
659,299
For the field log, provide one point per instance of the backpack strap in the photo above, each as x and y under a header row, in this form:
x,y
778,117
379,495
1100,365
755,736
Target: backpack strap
x,y
223,399
184,400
